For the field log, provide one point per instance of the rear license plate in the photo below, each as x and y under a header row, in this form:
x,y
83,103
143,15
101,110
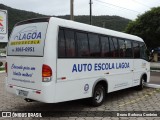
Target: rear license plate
x,y
22,93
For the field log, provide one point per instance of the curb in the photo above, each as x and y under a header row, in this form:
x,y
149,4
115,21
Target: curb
x,y
152,85
155,70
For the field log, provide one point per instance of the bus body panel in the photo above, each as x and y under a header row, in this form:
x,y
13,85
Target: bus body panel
x,y
25,69
72,78
81,72
30,84
140,68
25,72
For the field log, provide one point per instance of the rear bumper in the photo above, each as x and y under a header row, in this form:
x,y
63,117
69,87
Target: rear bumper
x,y
37,95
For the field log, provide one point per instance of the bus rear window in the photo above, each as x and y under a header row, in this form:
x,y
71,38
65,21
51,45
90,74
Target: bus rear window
x,y
28,39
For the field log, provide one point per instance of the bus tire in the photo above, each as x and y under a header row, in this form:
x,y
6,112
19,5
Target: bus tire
x,y
98,95
141,86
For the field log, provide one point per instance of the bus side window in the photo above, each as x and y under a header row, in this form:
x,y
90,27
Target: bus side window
x,y
116,47
94,45
82,43
105,46
122,48
61,44
136,50
143,52
112,53
129,53
70,43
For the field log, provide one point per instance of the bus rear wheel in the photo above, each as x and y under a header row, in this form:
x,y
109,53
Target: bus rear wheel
x,y
98,95
141,86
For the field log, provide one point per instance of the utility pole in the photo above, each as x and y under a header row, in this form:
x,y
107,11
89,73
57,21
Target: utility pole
x,y
90,11
71,10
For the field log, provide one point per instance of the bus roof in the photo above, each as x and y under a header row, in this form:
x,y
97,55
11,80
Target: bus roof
x,y
94,29
83,27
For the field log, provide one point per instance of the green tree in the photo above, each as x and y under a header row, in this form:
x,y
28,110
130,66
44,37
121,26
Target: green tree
x,y
147,26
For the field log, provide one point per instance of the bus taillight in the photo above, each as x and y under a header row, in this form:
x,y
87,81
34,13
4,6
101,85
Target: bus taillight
x,y
46,73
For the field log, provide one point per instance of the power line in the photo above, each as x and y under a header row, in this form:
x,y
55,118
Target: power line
x,y
154,2
141,4
107,6
117,6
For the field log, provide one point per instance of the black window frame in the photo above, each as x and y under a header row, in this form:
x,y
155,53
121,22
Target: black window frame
x,y
66,53
100,45
133,49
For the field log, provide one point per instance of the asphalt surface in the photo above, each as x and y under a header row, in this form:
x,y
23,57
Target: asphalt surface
x,y
128,100
155,78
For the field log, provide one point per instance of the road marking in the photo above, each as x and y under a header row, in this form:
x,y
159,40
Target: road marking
x,y
138,99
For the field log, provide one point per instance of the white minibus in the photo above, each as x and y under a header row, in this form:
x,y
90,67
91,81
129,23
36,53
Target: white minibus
x,y
53,60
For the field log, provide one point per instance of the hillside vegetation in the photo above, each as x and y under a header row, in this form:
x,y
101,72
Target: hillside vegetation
x,y
110,22
147,26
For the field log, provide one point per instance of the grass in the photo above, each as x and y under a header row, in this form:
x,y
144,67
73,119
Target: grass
x,y
2,68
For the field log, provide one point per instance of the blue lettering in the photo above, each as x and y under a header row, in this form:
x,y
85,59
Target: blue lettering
x,y
117,66
20,37
109,65
27,75
103,66
74,69
34,35
89,67
29,36
39,35
95,66
79,67
17,73
112,65
84,66
128,65
98,66
24,37
16,67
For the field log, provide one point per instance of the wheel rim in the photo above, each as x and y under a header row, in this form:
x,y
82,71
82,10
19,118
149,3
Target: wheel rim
x,y
143,82
99,94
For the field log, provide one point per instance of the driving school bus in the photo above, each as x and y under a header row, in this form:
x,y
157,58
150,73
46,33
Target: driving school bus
x,y
53,60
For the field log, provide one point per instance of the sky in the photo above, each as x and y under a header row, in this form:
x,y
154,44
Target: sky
x,y
124,8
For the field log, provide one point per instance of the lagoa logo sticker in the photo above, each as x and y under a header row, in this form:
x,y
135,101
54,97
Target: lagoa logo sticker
x,y
28,33
86,87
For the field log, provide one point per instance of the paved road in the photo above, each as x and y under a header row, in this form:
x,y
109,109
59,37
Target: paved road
x,y
124,100
155,78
